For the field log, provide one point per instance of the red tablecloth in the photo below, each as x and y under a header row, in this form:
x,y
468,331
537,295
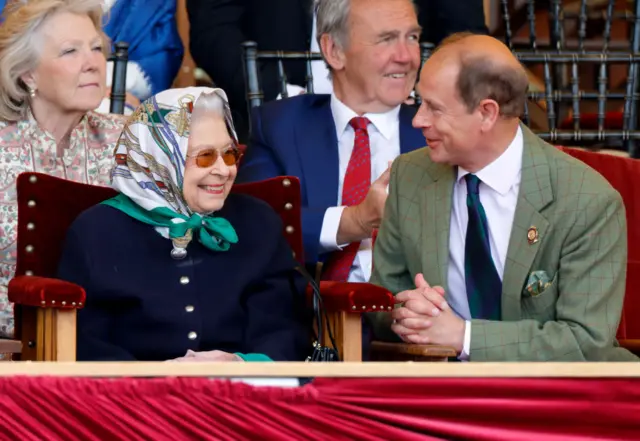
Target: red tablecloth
x,y
328,409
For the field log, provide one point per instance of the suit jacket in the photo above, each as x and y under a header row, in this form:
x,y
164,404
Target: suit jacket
x,y
297,137
218,29
582,247
143,305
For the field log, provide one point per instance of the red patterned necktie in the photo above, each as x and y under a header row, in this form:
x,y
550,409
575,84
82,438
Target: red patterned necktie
x,y
357,181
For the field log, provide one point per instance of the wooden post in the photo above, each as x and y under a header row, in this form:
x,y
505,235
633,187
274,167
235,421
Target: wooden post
x,y
53,338
347,333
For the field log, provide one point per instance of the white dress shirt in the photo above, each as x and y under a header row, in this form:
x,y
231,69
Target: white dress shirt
x,y
384,141
321,81
499,187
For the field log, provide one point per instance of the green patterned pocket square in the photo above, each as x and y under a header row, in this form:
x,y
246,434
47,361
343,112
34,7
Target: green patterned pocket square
x,y
537,283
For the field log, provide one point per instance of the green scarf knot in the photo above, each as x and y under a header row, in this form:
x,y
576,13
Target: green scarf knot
x,y
215,233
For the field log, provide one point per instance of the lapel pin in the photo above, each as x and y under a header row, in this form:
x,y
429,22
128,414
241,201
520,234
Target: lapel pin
x,y
532,235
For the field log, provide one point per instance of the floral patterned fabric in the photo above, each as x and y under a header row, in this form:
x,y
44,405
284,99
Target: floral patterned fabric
x,y
24,147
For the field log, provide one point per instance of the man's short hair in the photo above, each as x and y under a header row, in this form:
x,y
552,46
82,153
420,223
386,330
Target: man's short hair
x,y
481,78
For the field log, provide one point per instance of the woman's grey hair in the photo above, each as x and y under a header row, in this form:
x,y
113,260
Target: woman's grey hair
x,y
215,102
21,41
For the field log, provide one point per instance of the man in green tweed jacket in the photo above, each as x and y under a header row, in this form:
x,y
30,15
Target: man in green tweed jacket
x,y
493,241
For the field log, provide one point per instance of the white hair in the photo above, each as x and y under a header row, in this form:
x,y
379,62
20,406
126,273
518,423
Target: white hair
x,y
332,18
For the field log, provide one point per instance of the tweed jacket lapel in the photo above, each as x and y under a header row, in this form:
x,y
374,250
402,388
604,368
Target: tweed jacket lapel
x,y
535,194
436,217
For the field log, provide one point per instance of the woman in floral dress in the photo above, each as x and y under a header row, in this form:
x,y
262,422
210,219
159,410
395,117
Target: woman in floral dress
x,y
52,75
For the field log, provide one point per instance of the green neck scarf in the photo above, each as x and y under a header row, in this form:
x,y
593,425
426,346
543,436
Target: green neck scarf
x,y
215,233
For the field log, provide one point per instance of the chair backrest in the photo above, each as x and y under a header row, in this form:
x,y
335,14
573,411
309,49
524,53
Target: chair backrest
x,y
582,51
552,25
120,58
48,205
623,174
564,101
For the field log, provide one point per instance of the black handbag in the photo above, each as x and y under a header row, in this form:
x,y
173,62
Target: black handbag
x,y
320,353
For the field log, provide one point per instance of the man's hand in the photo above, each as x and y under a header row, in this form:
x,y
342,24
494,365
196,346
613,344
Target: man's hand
x,y
359,221
426,318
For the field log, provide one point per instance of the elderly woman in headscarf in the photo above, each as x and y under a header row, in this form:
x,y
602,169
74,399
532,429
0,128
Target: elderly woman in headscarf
x,y
176,267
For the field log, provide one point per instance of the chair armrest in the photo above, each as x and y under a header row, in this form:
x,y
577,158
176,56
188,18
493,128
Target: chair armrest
x,y
45,292
631,344
395,351
353,297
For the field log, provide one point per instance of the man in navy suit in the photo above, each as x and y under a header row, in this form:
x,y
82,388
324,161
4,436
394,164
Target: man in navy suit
x,y
340,145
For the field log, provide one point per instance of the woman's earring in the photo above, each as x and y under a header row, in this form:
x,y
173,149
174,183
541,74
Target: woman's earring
x,y
32,92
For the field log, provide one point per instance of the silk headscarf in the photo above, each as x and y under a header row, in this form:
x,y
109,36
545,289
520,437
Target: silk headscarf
x,y
149,170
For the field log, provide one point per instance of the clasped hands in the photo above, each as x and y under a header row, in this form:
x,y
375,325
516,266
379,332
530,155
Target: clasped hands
x,y
425,317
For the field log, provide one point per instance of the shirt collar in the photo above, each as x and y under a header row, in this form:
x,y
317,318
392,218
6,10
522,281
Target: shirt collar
x,y
386,123
79,132
502,173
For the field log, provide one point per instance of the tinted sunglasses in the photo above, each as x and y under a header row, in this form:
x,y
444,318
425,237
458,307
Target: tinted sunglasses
x,y
206,158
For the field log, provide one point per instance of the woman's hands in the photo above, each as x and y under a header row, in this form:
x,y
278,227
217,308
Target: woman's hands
x,y
207,356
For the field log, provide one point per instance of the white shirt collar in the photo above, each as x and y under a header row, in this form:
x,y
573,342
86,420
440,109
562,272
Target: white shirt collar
x,y
386,123
504,172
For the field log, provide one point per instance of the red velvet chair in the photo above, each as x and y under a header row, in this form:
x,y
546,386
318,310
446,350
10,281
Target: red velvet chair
x,y
45,308
624,175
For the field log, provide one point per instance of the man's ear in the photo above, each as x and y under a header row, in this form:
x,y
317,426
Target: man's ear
x,y
489,112
333,53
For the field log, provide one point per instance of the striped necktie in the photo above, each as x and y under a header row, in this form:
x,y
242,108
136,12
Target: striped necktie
x,y
357,181
484,287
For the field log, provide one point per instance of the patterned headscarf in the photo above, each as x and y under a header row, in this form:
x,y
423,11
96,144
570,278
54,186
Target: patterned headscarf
x,y
149,170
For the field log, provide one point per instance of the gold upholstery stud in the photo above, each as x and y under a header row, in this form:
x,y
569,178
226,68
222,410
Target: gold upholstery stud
x,y
289,229
288,206
31,203
31,226
286,182
29,248
33,179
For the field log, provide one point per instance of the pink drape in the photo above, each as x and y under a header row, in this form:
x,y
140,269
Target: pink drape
x,y
356,409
